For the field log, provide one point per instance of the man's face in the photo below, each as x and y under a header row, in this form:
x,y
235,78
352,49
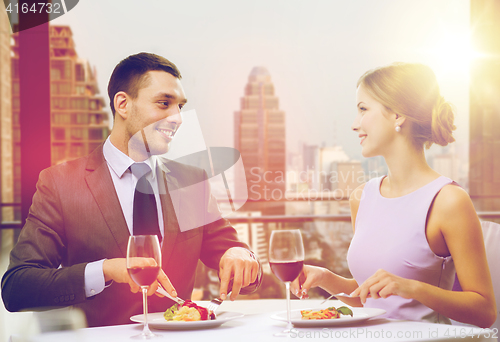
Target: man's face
x,y
155,114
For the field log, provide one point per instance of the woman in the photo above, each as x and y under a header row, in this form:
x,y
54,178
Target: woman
x,y
413,227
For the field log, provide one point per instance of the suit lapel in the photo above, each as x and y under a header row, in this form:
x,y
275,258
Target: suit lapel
x,y
171,226
101,186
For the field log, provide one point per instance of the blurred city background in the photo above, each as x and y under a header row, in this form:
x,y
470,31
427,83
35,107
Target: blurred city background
x,y
273,79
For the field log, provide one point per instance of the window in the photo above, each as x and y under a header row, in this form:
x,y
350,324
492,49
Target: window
x,y
79,103
15,118
58,152
76,133
80,90
60,88
249,133
93,146
15,68
79,73
96,134
55,74
275,118
15,88
15,103
17,175
17,154
60,119
80,119
276,145
249,118
268,89
16,134
76,150
96,119
275,132
60,70
58,134
59,102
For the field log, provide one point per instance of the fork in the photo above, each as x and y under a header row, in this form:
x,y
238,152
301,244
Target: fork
x,y
342,294
214,303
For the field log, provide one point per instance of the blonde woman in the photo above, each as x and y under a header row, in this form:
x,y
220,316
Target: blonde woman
x,y
412,228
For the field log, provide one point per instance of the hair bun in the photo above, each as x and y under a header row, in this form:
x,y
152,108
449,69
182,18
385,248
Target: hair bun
x,y
442,127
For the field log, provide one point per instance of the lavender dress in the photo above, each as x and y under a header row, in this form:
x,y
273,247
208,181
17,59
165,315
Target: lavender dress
x,y
390,235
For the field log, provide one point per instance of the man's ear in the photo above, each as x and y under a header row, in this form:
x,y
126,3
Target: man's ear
x,y
121,103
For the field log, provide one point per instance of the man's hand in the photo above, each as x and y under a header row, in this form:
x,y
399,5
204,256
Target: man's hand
x,y
239,265
116,270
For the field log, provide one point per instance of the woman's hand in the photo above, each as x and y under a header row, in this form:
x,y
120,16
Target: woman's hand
x,y
384,284
311,276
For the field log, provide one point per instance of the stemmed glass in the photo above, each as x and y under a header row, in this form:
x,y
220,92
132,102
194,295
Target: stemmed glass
x,y
143,266
286,257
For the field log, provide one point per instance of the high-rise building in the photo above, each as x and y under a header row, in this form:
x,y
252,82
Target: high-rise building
x,y
328,159
260,138
6,133
447,162
78,122
484,151
254,235
310,156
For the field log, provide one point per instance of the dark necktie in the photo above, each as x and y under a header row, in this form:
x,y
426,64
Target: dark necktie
x,y
145,212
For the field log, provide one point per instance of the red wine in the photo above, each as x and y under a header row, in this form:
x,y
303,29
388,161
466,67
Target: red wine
x,y
286,270
144,276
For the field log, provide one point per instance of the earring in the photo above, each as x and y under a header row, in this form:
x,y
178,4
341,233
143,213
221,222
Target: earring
x,y
398,129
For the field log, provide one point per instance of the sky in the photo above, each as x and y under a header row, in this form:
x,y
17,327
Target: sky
x,y
315,51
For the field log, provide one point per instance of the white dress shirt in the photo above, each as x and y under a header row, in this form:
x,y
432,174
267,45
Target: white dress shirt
x,y
124,182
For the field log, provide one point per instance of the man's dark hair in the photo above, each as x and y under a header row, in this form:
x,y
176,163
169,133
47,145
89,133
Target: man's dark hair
x,y
130,74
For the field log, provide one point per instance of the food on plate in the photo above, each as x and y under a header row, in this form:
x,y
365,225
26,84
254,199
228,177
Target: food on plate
x,y
328,313
188,312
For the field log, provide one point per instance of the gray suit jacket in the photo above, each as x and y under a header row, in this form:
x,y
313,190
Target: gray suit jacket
x,y
76,218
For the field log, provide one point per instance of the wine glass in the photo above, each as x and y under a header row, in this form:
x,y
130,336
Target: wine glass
x,y
143,266
286,258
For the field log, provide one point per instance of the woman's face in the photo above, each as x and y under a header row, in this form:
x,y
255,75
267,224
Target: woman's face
x,y
374,124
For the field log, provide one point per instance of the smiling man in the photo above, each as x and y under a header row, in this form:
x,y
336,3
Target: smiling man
x,y
72,248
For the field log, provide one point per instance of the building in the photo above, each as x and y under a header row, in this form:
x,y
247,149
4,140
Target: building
x,y
327,169
6,133
254,235
78,122
260,138
309,156
447,162
328,159
484,150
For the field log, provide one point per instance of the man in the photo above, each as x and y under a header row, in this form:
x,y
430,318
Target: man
x,y
72,248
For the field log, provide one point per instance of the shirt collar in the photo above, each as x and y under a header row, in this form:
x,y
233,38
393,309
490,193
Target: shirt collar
x,y
120,162
162,161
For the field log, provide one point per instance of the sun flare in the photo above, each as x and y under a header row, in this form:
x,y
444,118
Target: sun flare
x,y
451,53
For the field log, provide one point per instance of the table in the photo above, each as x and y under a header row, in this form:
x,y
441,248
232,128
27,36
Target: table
x,y
257,325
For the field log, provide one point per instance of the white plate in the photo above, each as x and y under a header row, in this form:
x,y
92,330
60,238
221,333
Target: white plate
x,y
157,321
359,315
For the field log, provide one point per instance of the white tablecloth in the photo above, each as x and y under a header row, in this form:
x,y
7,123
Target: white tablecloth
x,y
258,326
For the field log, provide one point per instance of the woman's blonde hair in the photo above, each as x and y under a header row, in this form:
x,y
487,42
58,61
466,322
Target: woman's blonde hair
x,y
412,91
